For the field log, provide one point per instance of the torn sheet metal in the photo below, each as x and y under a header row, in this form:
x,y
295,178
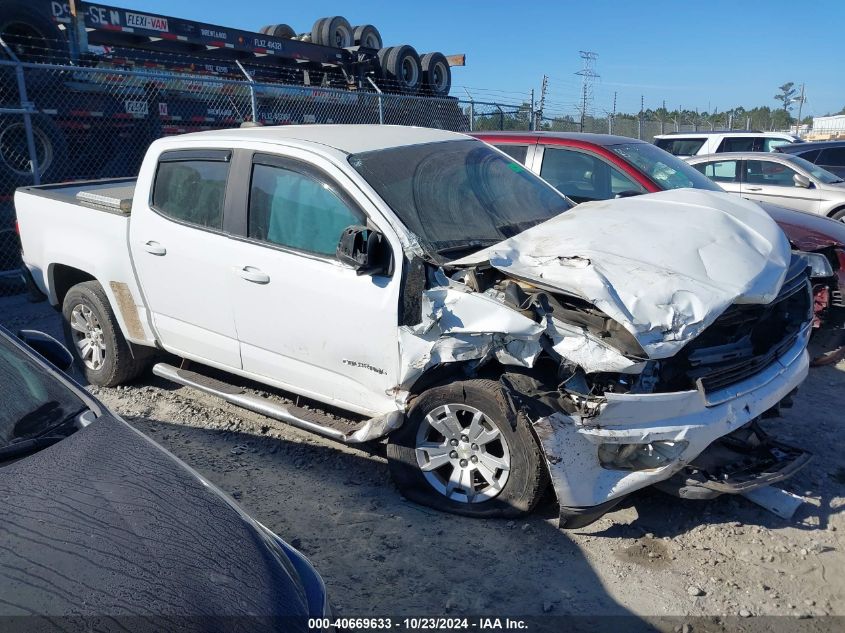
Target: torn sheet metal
x,y
571,443
578,346
663,265
460,325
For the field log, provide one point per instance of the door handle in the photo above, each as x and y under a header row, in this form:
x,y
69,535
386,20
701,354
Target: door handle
x,y
754,188
255,275
154,248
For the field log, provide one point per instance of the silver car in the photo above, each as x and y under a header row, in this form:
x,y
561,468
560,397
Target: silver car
x,y
781,179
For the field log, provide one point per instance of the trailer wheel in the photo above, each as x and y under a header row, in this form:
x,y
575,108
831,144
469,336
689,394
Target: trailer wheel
x,y
367,35
400,66
50,146
279,30
436,74
334,31
30,33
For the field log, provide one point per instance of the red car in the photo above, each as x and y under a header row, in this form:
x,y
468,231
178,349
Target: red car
x,y
600,166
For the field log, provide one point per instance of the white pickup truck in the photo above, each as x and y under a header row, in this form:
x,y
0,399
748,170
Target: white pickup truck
x,y
446,299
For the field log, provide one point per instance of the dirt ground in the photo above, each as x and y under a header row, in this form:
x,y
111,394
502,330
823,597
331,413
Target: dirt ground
x,y
380,555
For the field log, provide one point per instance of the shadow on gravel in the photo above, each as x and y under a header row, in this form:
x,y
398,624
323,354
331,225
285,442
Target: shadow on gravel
x,y
383,556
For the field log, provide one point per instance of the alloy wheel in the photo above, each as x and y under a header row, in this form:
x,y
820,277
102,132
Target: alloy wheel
x,y
462,454
88,337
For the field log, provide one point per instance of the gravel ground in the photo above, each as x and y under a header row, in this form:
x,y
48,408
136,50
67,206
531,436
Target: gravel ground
x,y
654,556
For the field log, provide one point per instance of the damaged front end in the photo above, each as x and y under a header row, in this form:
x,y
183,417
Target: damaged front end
x,y
614,406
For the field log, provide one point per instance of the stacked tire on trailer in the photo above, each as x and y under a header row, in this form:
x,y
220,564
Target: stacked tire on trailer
x,y
401,68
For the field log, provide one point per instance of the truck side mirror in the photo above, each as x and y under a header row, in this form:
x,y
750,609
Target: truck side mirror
x,y
801,180
366,250
48,348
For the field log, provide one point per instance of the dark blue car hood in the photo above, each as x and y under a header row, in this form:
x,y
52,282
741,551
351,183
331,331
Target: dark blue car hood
x,y
107,523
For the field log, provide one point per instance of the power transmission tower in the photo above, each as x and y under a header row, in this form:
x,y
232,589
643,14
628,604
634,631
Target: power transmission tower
x,y
542,105
801,101
588,75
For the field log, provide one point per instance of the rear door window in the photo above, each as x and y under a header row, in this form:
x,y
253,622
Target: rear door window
x,y
192,190
740,144
770,143
680,146
832,156
517,152
720,170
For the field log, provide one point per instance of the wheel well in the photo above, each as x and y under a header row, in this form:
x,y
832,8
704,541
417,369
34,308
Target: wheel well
x,y
66,277
835,211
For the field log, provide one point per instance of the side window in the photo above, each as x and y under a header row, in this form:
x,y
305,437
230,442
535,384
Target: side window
x,y
621,183
739,144
765,172
680,146
810,156
517,152
295,210
832,156
584,177
720,171
192,191
769,143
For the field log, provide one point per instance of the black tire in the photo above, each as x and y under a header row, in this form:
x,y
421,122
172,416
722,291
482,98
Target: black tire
x,y
334,31
401,68
279,30
50,145
527,477
121,361
30,32
839,214
436,74
367,35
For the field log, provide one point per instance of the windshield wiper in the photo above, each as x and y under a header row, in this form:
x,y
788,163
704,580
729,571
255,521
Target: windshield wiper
x,y
46,438
472,244
25,447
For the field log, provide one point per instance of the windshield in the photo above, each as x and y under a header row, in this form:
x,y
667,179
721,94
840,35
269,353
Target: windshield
x,y
680,146
667,171
40,400
458,195
822,175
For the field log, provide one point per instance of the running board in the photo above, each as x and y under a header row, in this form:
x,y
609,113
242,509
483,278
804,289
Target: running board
x,y
304,419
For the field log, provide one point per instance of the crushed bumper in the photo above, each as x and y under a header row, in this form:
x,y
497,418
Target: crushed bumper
x,y
735,464
694,419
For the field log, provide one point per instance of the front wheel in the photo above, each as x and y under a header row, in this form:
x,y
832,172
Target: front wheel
x,y
461,451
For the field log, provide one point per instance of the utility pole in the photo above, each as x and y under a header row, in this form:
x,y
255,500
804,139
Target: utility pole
x,y
588,75
612,116
800,107
532,125
640,118
543,88
663,118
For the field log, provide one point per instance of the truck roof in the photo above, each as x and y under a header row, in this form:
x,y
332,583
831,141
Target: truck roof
x,y
350,139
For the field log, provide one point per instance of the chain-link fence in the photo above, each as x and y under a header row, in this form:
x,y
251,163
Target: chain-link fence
x,y
60,122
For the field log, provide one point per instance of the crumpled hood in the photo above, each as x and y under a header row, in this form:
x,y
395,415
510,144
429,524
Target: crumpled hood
x,y
663,265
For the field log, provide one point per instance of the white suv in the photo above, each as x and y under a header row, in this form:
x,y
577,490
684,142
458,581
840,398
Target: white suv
x,y
699,143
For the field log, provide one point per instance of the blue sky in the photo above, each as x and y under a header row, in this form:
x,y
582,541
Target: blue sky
x,y
711,54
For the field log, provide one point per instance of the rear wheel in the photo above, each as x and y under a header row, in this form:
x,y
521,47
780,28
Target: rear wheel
x,y
99,348
50,150
400,66
461,451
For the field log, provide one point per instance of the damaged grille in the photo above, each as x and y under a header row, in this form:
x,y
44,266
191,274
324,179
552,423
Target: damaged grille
x,y
745,339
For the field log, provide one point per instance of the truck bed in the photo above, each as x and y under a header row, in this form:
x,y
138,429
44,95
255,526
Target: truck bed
x,y
113,195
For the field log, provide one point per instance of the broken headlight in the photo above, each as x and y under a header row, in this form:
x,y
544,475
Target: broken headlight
x,y
639,456
818,263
